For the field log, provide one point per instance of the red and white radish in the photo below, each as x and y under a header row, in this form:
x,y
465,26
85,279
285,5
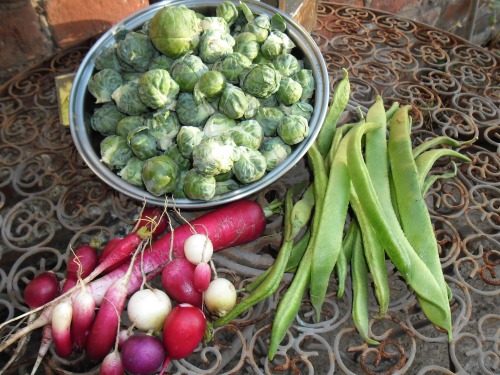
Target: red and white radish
x,y
80,264
220,297
143,354
198,248
202,276
41,290
83,317
61,323
147,309
112,364
177,279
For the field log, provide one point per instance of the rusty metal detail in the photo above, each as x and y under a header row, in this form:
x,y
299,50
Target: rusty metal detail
x,y
50,202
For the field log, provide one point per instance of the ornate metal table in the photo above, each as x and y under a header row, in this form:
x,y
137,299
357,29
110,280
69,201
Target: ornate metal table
x,y
49,201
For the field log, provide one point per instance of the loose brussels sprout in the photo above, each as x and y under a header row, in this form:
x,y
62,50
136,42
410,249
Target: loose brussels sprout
x,y
233,102
175,30
250,166
232,65
215,45
270,101
186,71
132,171
190,113
160,174
131,76
209,86
277,43
115,152
187,139
174,152
260,80
275,151
248,133
269,118
293,129
289,92
300,108
102,84
306,79
129,123
246,44
287,64
141,142
161,62
105,119
214,24
157,89
224,176
107,59
261,60
127,99
223,187
259,26
215,155
218,125
252,107
228,11
135,52
199,186
178,191
278,23
163,126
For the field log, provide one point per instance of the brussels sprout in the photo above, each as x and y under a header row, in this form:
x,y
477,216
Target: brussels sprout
x,y
131,76
187,139
199,186
306,80
135,52
224,176
102,84
228,11
246,44
269,118
214,24
248,133
157,89
160,174
215,45
115,152
174,152
270,101
278,23
163,126
145,28
218,125
287,64
107,59
223,187
259,26
250,166
252,107
232,65
293,129
175,30
132,171
127,99
300,108
105,119
275,151
161,62
186,71
141,142
260,80
190,113
215,155
209,86
261,60
233,102
129,123
276,43
178,191
289,92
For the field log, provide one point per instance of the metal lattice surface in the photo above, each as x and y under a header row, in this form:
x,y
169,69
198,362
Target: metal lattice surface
x,y
50,201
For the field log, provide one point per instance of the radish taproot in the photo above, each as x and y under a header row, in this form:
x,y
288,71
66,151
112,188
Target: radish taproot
x,y
143,354
220,297
177,279
41,290
147,309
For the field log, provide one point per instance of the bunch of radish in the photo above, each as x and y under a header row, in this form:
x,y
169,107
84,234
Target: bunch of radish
x,y
86,312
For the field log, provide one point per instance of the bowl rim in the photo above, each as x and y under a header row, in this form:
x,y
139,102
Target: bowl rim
x,y
80,129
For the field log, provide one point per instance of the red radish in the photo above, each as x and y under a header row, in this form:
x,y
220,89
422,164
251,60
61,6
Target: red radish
x,y
42,289
143,354
109,248
112,364
220,297
83,316
154,219
202,276
80,264
177,279
61,323
183,330
148,308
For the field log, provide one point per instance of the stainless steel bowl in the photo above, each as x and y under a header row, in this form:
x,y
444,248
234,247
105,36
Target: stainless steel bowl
x,y
81,105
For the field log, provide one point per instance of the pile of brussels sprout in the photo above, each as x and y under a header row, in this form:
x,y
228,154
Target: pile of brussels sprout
x,y
196,106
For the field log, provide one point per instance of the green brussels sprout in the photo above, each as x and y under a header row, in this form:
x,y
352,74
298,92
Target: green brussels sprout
x,y
276,43
215,155
247,45
261,60
293,129
223,187
161,62
131,76
190,113
278,22
306,79
228,11
259,26
300,108
233,102
218,125
250,166
175,30
132,171
289,92
163,126
129,123
187,139
252,107
135,52
174,152
107,59
160,175
145,28
209,86
127,99
232,65
247,133
224,176
141,142
287,64
270,101
260,80
269,118
115,152
199,186
120,34
275,151
157,89
186,71
105,119
215,45
178,191
102,84
214,24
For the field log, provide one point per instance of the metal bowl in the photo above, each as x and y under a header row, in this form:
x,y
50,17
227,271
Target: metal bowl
x,y
82,104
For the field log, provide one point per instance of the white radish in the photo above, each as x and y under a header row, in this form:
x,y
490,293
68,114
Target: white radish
x,y
198,248
220,297
148,309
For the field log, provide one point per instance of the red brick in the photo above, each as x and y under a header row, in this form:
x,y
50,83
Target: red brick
x,y
72,21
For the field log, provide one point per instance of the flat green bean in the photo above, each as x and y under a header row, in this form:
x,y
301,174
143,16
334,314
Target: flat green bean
x,y
345,256
431,179
441,140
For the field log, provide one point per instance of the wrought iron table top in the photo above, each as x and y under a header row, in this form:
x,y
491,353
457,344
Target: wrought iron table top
x,y
50,201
